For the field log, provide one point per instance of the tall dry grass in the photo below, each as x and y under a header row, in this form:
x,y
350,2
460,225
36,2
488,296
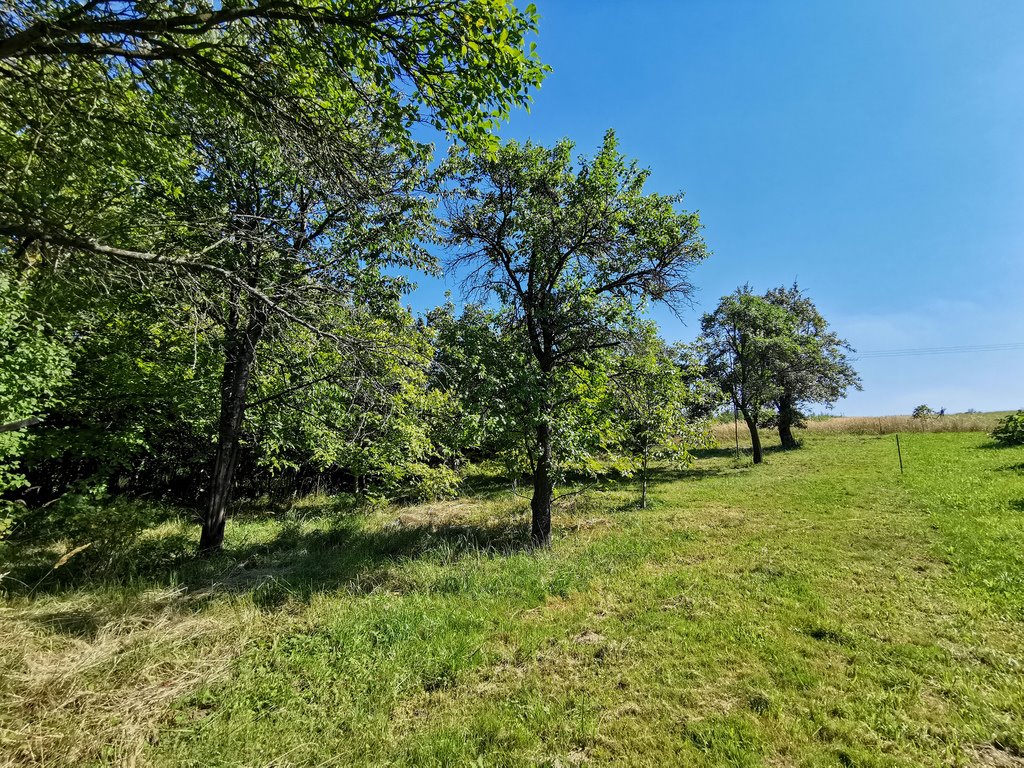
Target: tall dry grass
x,y
85,682
877,425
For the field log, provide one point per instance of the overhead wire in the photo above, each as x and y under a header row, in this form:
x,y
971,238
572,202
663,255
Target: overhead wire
x,y
924,351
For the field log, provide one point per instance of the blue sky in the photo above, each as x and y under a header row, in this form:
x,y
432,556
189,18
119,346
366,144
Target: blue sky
x,y
873,151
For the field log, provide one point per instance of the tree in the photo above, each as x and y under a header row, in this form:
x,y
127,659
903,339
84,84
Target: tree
x,y
572,252
655,386
136,413
89,131
743,339
309,245
813,366
33,365
232,146
367,418
476,371
458,65
260,153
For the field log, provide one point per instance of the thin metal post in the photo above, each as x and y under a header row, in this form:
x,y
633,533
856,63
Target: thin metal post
x,y
899,452
736,428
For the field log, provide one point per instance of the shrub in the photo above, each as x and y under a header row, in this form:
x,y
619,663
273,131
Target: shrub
x,y
109,523
922,412
426,483
1010,430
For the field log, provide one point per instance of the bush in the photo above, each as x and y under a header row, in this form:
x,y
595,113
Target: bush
x,y
107,522
1010,430
922,412
433,483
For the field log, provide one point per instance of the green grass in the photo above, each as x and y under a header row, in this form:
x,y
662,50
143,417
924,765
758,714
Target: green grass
x,y
820,610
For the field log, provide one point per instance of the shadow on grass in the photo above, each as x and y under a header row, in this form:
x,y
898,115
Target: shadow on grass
x,y
666,474
729,451
279,551
483,486
992,445
295,563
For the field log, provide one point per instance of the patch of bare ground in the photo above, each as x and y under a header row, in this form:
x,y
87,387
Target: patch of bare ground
x,y
993,756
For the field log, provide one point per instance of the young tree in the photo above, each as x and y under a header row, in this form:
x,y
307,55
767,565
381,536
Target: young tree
x,y
655,386
743,338
572,251
814,367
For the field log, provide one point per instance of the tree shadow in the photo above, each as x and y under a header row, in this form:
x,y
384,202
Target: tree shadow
x,y
267,507
294,563
484,486
992,445
1017,505
82,624
668,474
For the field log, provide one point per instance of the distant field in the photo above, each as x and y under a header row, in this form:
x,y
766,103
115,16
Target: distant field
x,y
874,425
819,610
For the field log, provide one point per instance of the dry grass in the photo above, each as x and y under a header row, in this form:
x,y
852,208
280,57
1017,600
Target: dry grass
x,y
87,681
874,425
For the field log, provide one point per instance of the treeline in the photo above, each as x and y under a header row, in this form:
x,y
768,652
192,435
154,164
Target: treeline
x,y
205,213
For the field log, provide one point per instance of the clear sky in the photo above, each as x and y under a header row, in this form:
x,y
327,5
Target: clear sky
x,y
873,151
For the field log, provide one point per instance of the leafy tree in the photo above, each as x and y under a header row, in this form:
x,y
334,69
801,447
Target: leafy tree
x,y
260,153
310,242
33,365
367,416
775,353
457,65
482,366
743,339
922,412
813,366
655,386
137,412
571,251
464,357
91,137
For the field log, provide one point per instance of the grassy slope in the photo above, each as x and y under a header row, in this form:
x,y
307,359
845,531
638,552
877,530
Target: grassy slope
x,y
819,610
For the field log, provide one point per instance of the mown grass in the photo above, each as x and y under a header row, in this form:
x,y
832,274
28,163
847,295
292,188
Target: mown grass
x,y
819,610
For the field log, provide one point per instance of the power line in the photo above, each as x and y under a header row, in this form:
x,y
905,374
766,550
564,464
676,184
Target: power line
x,y
922,351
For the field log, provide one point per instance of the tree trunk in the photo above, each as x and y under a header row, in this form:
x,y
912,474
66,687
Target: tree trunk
x,y
755,438
238,363
543,488
786,433
786,424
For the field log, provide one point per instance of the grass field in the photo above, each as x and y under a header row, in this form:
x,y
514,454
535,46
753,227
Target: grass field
x,y
819,610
